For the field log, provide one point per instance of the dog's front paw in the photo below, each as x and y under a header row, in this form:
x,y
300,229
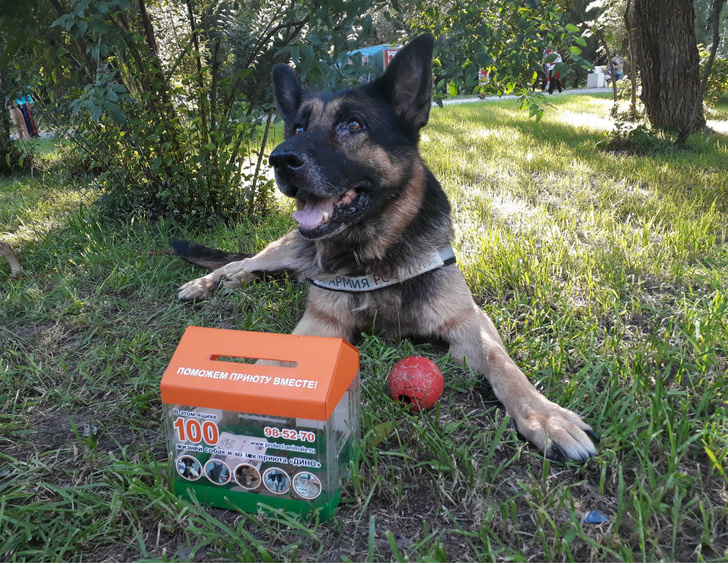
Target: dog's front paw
x,y
197,289
229,276
558,432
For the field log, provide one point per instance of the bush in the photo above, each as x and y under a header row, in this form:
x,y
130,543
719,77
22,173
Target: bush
x,y
17,156
155,163
174,124
716,89
635,137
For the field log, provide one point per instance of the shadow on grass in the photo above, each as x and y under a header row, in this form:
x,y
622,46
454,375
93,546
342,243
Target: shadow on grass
x,y
698,172
85,338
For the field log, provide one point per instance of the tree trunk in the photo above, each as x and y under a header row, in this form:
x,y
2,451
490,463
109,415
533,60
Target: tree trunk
x,y
669,63
715,21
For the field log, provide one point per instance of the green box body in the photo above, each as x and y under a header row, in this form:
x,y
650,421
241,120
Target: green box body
x,y
249,460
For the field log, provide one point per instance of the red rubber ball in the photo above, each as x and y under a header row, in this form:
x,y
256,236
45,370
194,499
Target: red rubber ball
x,y
416,380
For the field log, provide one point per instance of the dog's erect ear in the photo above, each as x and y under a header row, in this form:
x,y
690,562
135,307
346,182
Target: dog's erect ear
x,y
407,82
287,91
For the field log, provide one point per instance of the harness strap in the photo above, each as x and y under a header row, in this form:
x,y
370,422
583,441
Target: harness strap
x,y
370,282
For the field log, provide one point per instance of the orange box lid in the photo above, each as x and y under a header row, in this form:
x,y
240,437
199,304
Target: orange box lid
x,y
196,376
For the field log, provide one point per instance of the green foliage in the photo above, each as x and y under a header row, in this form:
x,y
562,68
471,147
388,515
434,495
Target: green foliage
x,y
176,120
17,156
507,38
605,274
161,142
716,88
624,88
607,16
633,136
333,30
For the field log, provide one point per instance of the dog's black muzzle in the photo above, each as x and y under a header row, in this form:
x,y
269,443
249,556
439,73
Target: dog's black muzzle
x,y
287,161
290,160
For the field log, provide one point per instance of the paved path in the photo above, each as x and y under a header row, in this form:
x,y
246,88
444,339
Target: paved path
x,y
513,96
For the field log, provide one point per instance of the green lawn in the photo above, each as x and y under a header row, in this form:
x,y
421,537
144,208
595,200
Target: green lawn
x,y
605,273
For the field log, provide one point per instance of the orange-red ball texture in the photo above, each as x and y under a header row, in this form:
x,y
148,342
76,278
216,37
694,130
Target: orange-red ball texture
x,y
416,380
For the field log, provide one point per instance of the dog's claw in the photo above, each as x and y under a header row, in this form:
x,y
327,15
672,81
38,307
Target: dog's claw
x,y
556,453
559,433
592,435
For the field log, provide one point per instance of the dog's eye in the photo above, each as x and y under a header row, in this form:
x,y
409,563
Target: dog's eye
x,y
354,125
297,130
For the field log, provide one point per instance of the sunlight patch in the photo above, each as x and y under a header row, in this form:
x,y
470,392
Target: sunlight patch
x,y
720,126
586,121
521,217
510,208
508,134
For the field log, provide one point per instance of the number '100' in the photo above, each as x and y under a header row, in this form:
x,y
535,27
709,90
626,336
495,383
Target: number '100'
x,y
193,431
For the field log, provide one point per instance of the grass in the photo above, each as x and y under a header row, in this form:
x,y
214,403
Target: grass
x,y
605,273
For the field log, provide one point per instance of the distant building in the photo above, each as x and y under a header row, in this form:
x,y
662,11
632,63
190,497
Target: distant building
x,y
378,56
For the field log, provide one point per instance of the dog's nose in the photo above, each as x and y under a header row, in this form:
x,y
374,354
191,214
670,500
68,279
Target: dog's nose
x,y
282,158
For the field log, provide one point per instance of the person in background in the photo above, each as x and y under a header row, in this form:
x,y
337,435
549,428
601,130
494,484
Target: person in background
x,y
18,121
616,67
550,59
24,102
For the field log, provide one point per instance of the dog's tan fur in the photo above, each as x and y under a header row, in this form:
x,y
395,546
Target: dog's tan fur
x,y
394,241
7,251
450,315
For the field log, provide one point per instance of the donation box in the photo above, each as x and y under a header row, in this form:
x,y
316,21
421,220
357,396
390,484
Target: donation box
x,y
260,419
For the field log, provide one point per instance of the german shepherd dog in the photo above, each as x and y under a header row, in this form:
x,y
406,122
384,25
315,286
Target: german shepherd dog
x,y
374,234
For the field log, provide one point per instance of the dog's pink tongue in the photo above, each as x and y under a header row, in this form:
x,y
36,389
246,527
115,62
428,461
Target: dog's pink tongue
x,y
312,214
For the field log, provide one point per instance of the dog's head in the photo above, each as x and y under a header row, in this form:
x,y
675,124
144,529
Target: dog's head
x,y
347,154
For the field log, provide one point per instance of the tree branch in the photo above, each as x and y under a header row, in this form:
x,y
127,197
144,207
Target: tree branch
x,y
632,62
601,37
198,61
148,29
90,63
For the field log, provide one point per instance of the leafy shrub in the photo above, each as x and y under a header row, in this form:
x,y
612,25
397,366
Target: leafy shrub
x,y
716,89
167,160
624,88
175,127
636,137
18,156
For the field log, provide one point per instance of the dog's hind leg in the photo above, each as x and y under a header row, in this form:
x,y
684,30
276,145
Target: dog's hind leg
x,y
7,252
281,255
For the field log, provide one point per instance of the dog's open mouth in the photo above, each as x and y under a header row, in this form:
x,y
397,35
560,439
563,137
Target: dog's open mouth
x,y
316,213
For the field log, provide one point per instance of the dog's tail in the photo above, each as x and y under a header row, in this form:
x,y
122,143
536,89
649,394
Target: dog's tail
x,y
205,256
